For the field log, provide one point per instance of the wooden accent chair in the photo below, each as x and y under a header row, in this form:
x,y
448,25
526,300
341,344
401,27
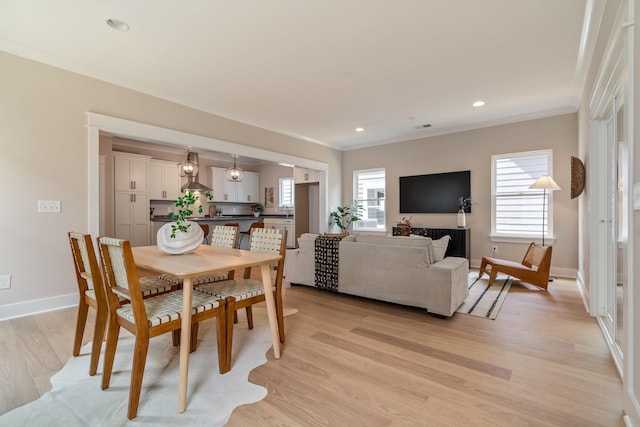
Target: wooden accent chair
x,y
146,318
533,269
245,292
91,293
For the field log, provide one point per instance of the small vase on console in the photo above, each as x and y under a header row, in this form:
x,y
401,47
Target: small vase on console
x,y
462,218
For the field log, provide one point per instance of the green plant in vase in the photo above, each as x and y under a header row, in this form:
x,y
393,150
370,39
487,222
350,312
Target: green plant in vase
x,y
184,203
344,216
257,208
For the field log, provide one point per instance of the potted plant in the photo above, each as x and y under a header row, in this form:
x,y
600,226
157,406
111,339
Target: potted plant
x,y
344,216
256,208
178,236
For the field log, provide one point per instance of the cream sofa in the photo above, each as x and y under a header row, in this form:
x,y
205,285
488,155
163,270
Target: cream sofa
x,y
402,270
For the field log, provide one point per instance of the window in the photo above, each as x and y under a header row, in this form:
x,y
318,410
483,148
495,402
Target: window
x,y
369,189
286,193
520,212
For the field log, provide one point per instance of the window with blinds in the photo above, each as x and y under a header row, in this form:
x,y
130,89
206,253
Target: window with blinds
x,y
369,191
517,210
285,198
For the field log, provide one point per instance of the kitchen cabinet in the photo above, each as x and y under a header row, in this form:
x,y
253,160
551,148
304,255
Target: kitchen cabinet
x,y
132,217
249,189
164,180
245,191
131,172
217,184
285,224
131,198
304,175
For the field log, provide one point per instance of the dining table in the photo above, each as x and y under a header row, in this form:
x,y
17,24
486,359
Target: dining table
x,y
203,261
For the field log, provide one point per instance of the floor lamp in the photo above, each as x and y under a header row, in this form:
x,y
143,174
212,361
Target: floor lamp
x,y
545,182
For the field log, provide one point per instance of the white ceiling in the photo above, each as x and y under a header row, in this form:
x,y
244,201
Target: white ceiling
x,y
317,69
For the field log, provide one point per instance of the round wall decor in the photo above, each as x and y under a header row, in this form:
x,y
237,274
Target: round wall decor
x,y
577,177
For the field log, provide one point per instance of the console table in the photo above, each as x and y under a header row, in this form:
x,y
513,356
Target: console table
x,y
459,245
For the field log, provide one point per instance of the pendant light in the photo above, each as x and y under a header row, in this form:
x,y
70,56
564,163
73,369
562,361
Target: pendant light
x,y
235,173
190,166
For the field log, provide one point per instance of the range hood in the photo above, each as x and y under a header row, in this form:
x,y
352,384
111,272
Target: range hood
x,y
192,174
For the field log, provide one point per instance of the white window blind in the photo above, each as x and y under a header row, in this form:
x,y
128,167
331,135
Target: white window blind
x,y
286,193
369,190
517,210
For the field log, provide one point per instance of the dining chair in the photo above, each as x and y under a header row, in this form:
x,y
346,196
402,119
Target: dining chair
x,y
245,292
205,230
146,318
254,225
91,294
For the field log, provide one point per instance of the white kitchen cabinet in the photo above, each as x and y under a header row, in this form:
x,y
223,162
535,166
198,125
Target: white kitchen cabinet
x,y
285,224
131,172
217,184
249,189
164,180
304,175
245,191
132,217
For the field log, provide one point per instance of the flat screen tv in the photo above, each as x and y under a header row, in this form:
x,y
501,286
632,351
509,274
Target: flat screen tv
x,y
434,193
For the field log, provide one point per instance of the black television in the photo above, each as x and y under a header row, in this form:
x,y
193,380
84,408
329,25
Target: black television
x,y
434,193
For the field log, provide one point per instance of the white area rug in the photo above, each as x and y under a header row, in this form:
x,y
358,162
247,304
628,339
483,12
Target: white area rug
x,y
484,300
77,400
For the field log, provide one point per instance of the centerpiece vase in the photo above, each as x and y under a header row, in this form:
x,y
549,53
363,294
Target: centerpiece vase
x,y
184,242
462,218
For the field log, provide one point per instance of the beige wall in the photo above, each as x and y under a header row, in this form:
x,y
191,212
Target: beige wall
x,y
472,150
43,156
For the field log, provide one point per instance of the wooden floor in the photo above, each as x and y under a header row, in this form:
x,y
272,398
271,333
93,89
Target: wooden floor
x,y
356,362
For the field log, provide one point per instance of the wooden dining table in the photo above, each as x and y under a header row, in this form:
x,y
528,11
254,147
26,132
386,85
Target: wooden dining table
x,y
207,260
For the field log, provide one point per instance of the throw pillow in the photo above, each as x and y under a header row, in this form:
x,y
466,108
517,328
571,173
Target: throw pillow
x,y
440,247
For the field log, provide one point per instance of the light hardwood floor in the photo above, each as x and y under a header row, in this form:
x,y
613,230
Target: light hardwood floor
x,y
356,362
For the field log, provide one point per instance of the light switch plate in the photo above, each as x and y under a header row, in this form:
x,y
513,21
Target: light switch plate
x,y
49,206
636,196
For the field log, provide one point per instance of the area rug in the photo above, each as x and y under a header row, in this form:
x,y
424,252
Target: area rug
x,y
484,300
77,400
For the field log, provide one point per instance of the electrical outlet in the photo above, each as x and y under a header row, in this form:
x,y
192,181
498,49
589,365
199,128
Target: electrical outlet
x,y
494,249
5,281
49,206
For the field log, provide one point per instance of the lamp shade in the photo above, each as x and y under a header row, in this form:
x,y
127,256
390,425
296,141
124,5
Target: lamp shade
x,y
545,182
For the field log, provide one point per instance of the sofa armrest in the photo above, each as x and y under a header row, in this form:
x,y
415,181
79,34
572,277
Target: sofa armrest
x,y
448,285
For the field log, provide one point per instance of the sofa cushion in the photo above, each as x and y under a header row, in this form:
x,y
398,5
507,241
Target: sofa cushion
x,y
411,241
440,247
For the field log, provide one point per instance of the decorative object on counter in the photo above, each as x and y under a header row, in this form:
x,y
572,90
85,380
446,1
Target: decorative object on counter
x,y
178,236
344,216
463,204
235,173
405,226
257,208
213,211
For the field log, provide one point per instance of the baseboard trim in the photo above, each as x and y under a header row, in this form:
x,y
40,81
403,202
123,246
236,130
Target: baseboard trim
x,y
27,308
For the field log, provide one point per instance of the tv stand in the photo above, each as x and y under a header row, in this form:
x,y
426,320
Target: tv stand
x,y
459,245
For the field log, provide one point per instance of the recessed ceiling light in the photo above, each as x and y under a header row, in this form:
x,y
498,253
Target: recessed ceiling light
x,y
117,24
359,129
478,103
